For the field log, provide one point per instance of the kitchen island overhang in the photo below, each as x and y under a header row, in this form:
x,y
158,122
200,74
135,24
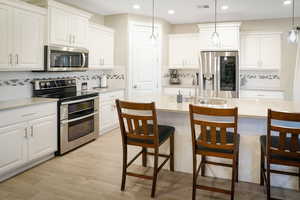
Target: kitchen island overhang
x,y
252,124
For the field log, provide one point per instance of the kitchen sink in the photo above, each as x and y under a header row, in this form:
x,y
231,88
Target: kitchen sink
x,y
212,101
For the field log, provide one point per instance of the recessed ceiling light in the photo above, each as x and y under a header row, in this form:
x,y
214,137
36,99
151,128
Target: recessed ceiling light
x,y
287,2
225,7
136,6
171,12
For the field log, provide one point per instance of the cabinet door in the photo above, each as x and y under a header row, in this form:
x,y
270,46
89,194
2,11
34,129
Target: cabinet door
x,y
43,137
59,27
107,39
94,47
270,52
5,37
29,40
78,30
205,39
13,147
250,51
107,116
176,56
229,38
192,51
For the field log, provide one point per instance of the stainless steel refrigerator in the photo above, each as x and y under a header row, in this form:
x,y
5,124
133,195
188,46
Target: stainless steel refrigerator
x,y
219,72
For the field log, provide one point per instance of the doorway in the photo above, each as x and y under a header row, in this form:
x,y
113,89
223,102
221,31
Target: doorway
x,y
144,71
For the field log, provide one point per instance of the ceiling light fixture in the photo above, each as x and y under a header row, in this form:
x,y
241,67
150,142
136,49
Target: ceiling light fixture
x,y
225,7
215,38
136,6
287,2
171,12
293,34
152,36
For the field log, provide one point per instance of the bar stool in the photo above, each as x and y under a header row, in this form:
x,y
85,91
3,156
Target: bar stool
x,y
281,146
138,132
214,140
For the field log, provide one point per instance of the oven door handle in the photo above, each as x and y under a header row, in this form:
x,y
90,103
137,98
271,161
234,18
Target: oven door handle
x,y
78,101
77,119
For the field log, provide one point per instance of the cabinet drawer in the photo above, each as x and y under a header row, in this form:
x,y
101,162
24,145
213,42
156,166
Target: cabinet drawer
x,y
111,96
17,115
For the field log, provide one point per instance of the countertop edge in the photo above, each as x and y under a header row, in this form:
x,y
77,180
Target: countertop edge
x,y
19,103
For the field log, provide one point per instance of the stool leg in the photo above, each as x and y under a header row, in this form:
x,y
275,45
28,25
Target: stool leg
x,y
237,165
194,175
262,166
172,153
155,168
144,157
268,180
233,176
203,159
124,167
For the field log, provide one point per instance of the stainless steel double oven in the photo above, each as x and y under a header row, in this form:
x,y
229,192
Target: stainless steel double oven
x,y
79,123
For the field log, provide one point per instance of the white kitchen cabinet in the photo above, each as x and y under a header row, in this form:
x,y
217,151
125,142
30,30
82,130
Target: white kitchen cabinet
x,y
21,37
260,51
68,26
13,146
229,34
184,51
101,47
28,136
43,137
108,111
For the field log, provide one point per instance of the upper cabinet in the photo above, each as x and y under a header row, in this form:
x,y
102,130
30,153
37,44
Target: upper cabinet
x,y
68,26
22,36
101,47
260,51
229,36
183,51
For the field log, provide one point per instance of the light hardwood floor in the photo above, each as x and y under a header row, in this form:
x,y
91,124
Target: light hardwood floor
x,y
93,172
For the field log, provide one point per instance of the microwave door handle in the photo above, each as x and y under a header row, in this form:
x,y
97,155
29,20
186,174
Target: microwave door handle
x,y
79,118
84,60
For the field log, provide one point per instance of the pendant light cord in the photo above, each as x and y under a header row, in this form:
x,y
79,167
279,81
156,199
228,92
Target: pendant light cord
x,y
152,17
215,15
293,14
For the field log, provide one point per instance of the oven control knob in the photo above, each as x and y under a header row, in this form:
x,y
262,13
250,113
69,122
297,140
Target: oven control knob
x,y
42,85
48,84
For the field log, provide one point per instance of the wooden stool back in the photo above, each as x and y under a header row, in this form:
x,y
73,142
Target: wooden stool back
x,y
212,127
285,134
137,124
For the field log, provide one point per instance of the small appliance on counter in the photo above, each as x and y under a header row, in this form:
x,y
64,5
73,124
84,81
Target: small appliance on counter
x,y
78,115
103,82
174,77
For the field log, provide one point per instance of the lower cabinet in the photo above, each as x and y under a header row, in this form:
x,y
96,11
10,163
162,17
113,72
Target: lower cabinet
x,y
24,143
108,111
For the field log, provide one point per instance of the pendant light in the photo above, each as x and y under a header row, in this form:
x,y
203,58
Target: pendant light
x,y
293,34
215,38
152,36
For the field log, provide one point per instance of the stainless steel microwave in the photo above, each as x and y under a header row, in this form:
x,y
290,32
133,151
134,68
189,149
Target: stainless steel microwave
x,y
59,59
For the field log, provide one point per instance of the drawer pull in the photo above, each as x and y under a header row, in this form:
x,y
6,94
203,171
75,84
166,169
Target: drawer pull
x,y
29,114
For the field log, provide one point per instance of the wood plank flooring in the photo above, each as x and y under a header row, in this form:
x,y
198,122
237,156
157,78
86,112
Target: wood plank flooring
x,y
93,172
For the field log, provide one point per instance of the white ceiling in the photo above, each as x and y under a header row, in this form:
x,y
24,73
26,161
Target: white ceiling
x,y
187,11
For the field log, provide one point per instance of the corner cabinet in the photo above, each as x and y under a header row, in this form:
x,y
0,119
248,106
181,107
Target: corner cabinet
x,y
260,51
184,51
101,47
22,36
108,111
28,136
229,34
67,26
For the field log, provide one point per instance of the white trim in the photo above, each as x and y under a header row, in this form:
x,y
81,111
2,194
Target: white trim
x,y
220,25
25,6
131,25
184,35
259,33
55,4
103,28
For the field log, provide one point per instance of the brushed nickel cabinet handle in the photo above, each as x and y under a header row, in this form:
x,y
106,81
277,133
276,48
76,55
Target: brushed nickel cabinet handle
x,y
10,58
31,129
17,59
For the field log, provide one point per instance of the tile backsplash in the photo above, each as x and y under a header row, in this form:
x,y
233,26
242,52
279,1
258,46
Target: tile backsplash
x,y
14,85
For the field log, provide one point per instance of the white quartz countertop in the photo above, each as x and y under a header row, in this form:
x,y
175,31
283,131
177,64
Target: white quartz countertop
x,y
105,90
253,108
11,104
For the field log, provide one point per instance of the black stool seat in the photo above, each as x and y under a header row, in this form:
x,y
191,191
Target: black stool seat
x,y
164,133
275,144
229,139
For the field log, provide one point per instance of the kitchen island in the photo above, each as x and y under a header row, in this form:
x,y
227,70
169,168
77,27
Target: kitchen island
x,y
252,124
